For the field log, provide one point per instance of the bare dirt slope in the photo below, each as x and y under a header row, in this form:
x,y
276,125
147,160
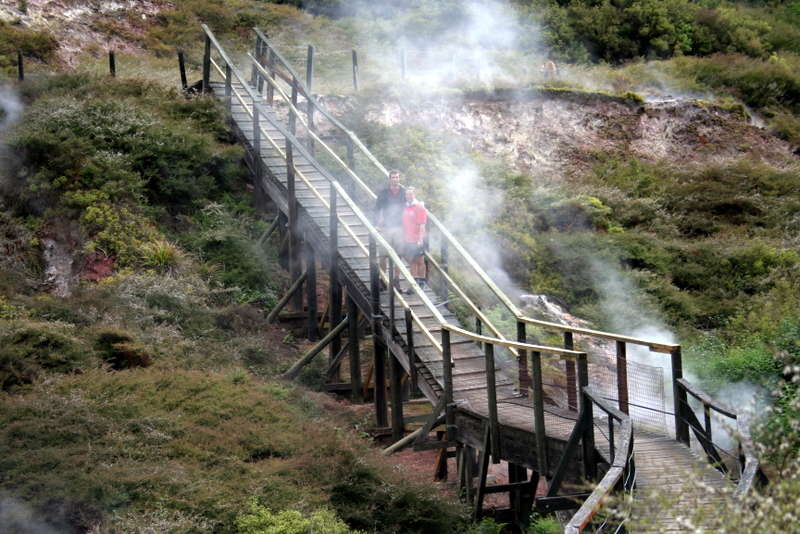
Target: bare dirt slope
x,y
540,134
86,26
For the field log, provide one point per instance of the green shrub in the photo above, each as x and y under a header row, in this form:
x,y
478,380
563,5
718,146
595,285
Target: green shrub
x,y
261,520
29,350
544,525
219,237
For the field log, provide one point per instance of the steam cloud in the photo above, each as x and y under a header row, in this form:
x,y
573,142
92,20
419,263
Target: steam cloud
x,y
10,108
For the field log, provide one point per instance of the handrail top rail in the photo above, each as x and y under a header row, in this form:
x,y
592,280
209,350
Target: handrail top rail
x,y
564,353
335,184
603,404
707,400
654,346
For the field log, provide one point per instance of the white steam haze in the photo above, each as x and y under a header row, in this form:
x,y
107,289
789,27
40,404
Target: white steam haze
x,y
463,46
10,108
16,516
627,316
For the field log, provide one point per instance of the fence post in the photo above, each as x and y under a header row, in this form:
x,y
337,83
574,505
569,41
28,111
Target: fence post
x,y
182,67
112,64
355,70
20,65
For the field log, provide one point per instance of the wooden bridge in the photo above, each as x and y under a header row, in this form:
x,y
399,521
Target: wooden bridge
x,y
575,417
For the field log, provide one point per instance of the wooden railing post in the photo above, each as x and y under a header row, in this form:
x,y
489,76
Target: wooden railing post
x,y
478,329
447,378
257,149
294,238
412,354
491,392
538,409
524,373
355,70
229,87
589,460
292,116
390,272
333,275
254,77
378,347
572,392
680,398
622,377
310,106
374,280
207,65
445,252
271,71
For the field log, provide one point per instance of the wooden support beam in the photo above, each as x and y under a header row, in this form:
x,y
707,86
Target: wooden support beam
x,y
395,389
368,379
268,232
483,469
292,290
354,346
381,406
294,370
311,292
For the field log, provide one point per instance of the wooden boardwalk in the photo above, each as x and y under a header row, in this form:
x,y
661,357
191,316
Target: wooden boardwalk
x,y
299,184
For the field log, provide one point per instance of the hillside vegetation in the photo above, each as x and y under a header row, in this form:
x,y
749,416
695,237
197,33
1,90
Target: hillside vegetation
x,y
140,388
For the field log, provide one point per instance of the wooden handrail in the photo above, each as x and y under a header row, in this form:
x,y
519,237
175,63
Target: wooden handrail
x,y
333,182
564,354
750,472
620,466
654,346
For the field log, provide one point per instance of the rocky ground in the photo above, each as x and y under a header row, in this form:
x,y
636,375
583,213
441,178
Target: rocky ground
x,y
88,26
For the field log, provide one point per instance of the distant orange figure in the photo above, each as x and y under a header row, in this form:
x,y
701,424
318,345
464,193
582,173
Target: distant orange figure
x,y
549,70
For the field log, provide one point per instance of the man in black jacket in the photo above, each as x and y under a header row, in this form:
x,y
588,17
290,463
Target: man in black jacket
x,y
388,216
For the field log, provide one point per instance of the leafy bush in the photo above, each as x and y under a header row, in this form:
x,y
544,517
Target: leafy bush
x,y
261,520
40,45
28,350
